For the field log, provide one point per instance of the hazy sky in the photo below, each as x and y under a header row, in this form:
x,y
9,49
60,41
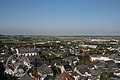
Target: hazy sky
x,y
57,17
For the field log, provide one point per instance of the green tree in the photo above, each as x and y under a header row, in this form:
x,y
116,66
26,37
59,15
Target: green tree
x,y
1,44
106,75
93,51
109,74
52,57
34,72
103,76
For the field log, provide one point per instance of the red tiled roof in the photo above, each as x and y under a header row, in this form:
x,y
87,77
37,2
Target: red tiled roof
x,y
66,75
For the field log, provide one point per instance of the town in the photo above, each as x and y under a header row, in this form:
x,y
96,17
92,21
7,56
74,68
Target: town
x,y
34,57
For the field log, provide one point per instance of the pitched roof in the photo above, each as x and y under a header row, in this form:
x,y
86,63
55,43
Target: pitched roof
x,y
95,72
26,77
48,77
83,69
36,63
67,67
101,64
27,50
44,69
59,78
111,64
58,62
66,75
72,58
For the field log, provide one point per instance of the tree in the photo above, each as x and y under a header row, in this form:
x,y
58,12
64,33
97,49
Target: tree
x,y
109,74
106,75
56,71
34,72
52,57
93,51
94,62
103,76
1,45
2,69
66,54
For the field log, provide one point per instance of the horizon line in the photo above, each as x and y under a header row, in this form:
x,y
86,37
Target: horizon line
x,y
64,35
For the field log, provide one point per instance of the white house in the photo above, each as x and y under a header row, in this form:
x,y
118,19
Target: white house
x,y
26,51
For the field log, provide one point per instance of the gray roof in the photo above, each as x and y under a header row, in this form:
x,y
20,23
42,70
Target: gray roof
x,y
45,62
71,58
95,72
114,78
67,67
36,63
111,64
48,77
26,77
44,69
82,69
101,65
27,50
58,62
81,66
59,78
74,73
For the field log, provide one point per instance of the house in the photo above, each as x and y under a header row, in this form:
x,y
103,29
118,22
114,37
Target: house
x,y
95,72
72,59
118,64
83,70
47,63
26,77
90,65
101,64
35,58
6,51
75,75
48,77
114,78
66,76
111,65
36,63
44,70
67,68
59,78
91,46
55,62
26,51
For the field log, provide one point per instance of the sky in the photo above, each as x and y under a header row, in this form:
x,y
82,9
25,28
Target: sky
x,y
60,17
